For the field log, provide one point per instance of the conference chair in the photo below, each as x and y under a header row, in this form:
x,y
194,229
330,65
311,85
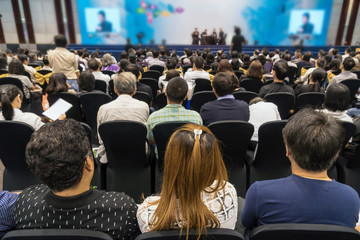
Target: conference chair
x,y
200,98
284,101
353,85
153,83
186,68
100,85
202,85
310,99
14,136
301,231
356,72
143,96
75,111
270,161
157,68
268,66
17,82
151,74
251,84
245,96
3,72
128,169
107,72
234,137
211,233
238,73
112,93
56,234
292,74
161,101
91,102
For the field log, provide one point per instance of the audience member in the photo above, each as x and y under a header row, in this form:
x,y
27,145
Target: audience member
x,y
87,82
16,70
346,73
255,71
304,62
337,101
319,64
25,62
109,63
94,66
139,86
176,92
195,193
226,107
156,61
197,71
280,72
124,107
59,154
316,78
313,141
46,64
58,84
346,54
170,65
170,75
3,64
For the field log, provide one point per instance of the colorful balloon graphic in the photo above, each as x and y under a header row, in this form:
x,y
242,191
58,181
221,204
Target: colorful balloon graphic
x,y
153,10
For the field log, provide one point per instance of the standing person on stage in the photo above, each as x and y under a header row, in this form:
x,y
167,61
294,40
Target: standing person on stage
x,y
221,37
214,34
195,37
237,41
203,37
214,37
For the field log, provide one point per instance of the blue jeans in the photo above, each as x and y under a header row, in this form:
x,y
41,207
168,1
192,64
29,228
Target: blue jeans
x,y
73,84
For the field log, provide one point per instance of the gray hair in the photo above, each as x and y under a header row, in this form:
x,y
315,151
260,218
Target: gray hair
x,y
125,83
108,60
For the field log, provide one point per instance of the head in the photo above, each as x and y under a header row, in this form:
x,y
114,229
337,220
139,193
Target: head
x,y
347,51
108,60
320,63
306,18
23,58
192,163
3,63
318,76
94,65
307,56
256,100
133,69
237,30
287,57
171,64
255,70
348,64
155,53
265,51
60,41
59,154
210,58
123,64
46,61
223,84
101,16
280,70
313,140
16,67
198,62
10,97
123,55
57,83
171,74
125,83
224,66
337,97
176,90
196,29
335,65
86,81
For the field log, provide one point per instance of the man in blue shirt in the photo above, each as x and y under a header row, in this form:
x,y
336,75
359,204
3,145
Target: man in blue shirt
x,y
226,107
7,205
313,141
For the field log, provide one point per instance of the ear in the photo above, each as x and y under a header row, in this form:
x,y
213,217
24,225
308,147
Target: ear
x,y
116,92
288,152
89,164
165,91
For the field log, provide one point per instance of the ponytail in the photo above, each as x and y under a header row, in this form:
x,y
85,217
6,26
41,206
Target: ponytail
x,y
8,94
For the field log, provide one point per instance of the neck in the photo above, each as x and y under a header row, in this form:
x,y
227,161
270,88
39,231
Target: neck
x,y
173,103
306,174
197,69
277,80
75,190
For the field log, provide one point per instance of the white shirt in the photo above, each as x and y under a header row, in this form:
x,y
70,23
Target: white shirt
x,y
305,78
260,113
46,68
124,107
342,116
27,84
226,213
31,71
190,76
102,77
26,117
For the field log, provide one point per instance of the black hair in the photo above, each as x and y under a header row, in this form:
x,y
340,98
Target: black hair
x,y
123,55
86,54
7,95
46,60
335,64
155,53
172,73
317,76
307,56
56,154
86,81
176,90
94,55
16,67
133,69
210,58
348,50
223,84
60,41
199,62
235,64
3,63
237,30
321,63
123,64
3,54
348,64
171,64
265,51
57,83
93,64
337,97
281,69
80,52
287,57
22,57
314,139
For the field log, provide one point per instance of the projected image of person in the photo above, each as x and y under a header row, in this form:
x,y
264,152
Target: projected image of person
x,y
307,27
104,26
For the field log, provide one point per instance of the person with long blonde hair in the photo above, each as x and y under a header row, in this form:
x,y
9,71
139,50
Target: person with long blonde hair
x,y
195,193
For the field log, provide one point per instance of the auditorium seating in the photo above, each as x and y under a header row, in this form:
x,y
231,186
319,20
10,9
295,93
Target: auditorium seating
x,y
75,111
245,96
284,101
151,74
353,85
153,83
202,85
100,85
200,98
310,99
143,96
109,73
251,85
157,68
161,101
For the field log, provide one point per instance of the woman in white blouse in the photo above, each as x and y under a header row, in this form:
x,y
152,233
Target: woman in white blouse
x,y
195,193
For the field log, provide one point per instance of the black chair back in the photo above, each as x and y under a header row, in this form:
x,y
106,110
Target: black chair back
x,y
202,85
349,131
200,98
56,234
128,169
100,85
292,74
153,83
353,85
13,81
3,72
151,74
107,72
112,93
186,68
211,233
75,111
357,73
91,102
44,72
270,161
157,68
14,136
245,96
301,231
234,138
238,73
143,96
284,101
310,99
161,101
251,84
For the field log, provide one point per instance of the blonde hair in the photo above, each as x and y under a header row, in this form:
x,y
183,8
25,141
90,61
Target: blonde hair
x,y
191,165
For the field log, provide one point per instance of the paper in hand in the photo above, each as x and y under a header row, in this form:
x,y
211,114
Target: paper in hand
x,y
57,109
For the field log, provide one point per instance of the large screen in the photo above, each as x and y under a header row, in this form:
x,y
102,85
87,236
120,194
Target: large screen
x,y
263,22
